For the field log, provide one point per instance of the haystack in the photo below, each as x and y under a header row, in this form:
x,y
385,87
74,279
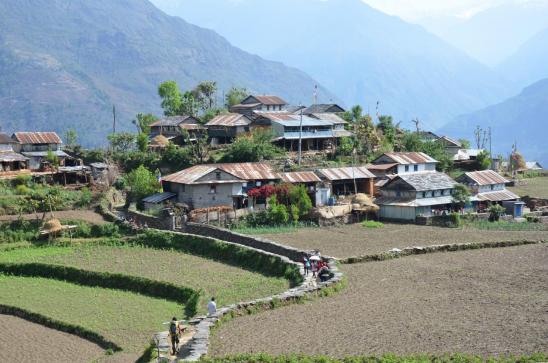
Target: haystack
x,y
51,227
364,202
159,141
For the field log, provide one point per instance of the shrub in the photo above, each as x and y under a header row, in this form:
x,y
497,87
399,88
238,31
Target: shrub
x,y
294,213
495,212
22,189
372,224
455,219
22,180
277,212
85,197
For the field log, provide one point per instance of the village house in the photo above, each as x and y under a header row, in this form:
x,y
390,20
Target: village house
x,y
451,146
10,161
174,127
224,128
36,146
348,180
409,195
396,163
259,103
323,108
427,136
312,182
215,185
488,187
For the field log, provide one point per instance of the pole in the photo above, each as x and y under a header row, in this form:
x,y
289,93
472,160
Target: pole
x,y
113,119
490,149
300,138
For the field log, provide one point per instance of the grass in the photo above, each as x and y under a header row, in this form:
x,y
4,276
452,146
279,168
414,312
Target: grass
x,y
272,229
125,318
372,224
506,226
227,283
536,188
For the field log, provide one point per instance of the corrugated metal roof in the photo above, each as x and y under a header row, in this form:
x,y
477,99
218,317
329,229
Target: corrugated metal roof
x,y
486,177
243,171
358,172
300,177
430,180
321,108
6,139
276,115
307,121
174,121
533,165
333,117
58,153
159,197
381,166
230,120
404,158
37,138
9,156
270,100
449,141
247,105
497,196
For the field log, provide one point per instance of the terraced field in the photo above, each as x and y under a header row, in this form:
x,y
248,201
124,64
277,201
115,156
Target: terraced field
x,y
486,302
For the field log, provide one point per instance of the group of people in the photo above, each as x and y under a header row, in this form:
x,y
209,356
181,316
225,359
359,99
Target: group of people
x,y
317,266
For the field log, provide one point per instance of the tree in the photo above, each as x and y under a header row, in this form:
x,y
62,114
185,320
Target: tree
x,y
461,195
480,136
495,211
464,143
387,127
198,148
71,138
235,96
122,141
171,98
142,142
346,146
356,113
143,121
299,197
141,183
277,212
483,160
367,137
176,158
517,162
257,147
204,93
52,159
189,105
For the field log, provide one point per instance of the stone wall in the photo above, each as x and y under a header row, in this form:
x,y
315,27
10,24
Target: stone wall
x,y
142,220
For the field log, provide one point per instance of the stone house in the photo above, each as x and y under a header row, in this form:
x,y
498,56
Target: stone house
x,y
348,180
487,187
401,163
10,161
174,127
223,129
36,146
259,103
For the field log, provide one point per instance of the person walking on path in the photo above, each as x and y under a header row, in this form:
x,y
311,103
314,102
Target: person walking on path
x,y
306,263
212,307
174,335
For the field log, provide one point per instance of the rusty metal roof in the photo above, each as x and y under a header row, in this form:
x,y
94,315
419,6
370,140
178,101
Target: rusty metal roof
x,y
174,121
230,120
333,117
358,172
381,166
241,171
486,177
277,115
497,196
37,138
300,177
404,158
270,100
10,156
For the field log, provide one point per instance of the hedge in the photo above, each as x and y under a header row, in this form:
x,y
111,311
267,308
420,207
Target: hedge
x,y
387,358
61,326
224,252
107,280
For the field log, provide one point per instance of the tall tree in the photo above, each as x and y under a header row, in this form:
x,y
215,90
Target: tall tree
x,y
189,105
171,98
204,93
143,121
387,127
357,113
234,96
71,138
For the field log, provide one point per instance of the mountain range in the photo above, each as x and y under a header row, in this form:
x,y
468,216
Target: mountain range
x,y
65,63
522,119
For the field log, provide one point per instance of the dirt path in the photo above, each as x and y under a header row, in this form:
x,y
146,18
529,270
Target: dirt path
x,y
487,302
355,240
84,215
23,341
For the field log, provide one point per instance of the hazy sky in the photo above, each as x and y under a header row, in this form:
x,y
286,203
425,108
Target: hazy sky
x,y
416,9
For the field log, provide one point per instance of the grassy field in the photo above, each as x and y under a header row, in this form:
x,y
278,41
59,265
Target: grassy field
x,y
486,302
125,318
227,283
357,240
534,187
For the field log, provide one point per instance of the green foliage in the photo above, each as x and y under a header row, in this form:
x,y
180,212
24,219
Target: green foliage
x,y
299,197
52,159
277,212
142,142
22,190
495,212
122,141
189,105
295,213
85,197
141,182
171,98
258,147
387,127
464,143
411,141
71,138
372,224
143,121
176,158
461,195
234,96
19,231
23,180
455,219
204,93
483,160
346,146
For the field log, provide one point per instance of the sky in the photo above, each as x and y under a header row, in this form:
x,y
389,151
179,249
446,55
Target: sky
x,y
414,10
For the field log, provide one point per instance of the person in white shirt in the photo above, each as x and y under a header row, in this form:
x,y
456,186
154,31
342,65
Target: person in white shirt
x,y
212,306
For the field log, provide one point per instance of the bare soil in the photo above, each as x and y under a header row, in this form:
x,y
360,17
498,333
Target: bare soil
x,y
83,215
23,341
487,302
356,240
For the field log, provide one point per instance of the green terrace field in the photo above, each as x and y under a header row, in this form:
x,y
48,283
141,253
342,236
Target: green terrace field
x,y
125,318
228,284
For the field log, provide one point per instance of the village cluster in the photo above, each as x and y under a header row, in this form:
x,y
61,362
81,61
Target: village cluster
x,y
404,185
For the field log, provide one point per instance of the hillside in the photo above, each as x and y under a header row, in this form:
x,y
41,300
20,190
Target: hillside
x,y
529,63
64,63
360,53
522,119
491,27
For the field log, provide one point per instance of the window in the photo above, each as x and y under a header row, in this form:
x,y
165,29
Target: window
x,y
398,193
407,168
213,189
415,167
424,194
492,187
268,108
183,187
218,175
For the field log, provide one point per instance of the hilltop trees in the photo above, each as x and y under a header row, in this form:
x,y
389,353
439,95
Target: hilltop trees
x,y
234,96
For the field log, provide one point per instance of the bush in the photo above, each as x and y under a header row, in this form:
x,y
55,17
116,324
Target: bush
x,y
22,180
372,224
278,213
294,213
455,219
22,189
495,212
85,198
